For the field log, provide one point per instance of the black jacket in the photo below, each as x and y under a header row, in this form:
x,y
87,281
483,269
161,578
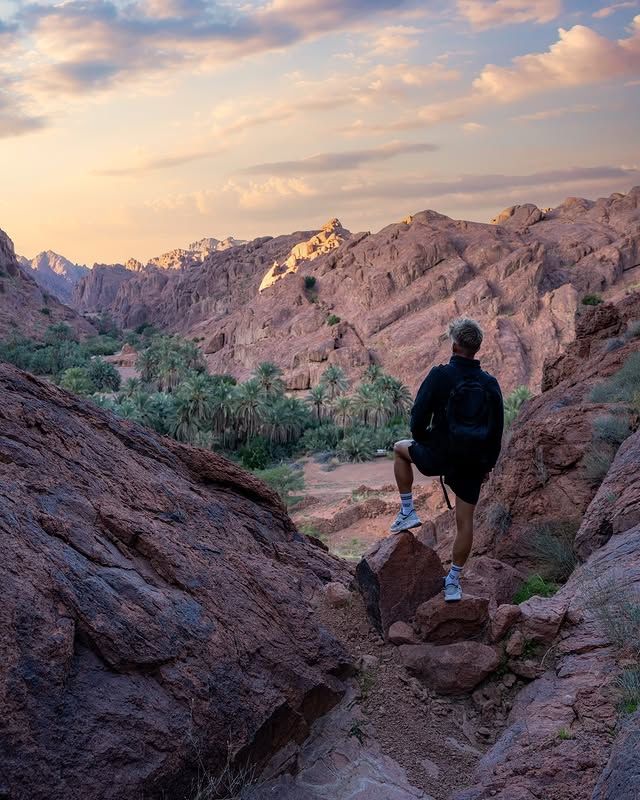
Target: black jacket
x,y
429,413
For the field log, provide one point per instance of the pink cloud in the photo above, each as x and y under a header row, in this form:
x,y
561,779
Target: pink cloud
x,y
485,14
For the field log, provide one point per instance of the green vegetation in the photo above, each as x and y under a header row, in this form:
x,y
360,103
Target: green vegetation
x,y
621,387
309,282
628,685
283,479
564,734
46,311
513,403
592,300
534,586
333,319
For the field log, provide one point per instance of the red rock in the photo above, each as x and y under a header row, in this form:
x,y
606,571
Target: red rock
x,y
395,576
154,595
337,594
442,622
451,668
502,620
493,579
515,644
541,617
620,780
402,633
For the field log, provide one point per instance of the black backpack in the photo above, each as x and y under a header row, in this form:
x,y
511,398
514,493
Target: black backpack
x,y
468,423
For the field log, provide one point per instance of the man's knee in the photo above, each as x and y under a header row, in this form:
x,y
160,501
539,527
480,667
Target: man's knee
x,y
401,449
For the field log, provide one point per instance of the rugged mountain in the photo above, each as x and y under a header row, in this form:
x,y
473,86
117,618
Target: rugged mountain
x,y
54,273
25,307
155,618
210,245
393,292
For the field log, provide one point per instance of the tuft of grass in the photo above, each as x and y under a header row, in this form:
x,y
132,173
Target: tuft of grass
x,y
592,300
333,319
534,586
622,386
513,403
366,681
597,463
612,429
309,282
46,311
356,731
564,734
628,684
552,547
499,518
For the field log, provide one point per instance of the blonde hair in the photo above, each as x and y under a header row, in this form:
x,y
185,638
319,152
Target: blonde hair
x,y
467,334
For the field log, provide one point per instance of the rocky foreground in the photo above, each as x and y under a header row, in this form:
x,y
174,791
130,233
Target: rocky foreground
x,y
332,297
155,617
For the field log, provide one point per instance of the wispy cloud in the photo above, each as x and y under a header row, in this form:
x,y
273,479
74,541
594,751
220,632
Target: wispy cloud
x,y
555,113
489,14
153,164
337,162
607,11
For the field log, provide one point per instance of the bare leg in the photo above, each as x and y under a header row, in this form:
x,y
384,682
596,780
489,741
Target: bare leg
x,y
464,538
402,466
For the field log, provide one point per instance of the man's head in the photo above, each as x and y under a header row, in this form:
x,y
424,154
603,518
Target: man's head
x,y
466,337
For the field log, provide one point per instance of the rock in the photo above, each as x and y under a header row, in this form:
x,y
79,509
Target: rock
x,y
502,620
620,779
451,668
154,596
488,577
509,680
525,668
441,622
367,663
395,576
401,633
541,617
516,643
616,506
337,595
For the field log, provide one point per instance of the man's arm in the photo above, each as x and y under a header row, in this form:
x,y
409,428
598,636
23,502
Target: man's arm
x,y
494,444
424,406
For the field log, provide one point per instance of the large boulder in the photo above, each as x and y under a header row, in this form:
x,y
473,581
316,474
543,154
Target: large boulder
x,y
441,622
620,779
155,611
451,668
395,576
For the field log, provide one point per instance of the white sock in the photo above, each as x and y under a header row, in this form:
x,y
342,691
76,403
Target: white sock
x,y
454,574
407,503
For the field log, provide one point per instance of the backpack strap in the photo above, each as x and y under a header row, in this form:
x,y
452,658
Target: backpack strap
x,y
446,496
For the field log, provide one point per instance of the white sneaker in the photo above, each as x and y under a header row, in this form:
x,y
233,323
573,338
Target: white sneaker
x,y
404,522
452,591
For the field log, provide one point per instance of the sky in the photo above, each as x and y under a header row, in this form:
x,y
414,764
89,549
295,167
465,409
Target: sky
x,y
132,127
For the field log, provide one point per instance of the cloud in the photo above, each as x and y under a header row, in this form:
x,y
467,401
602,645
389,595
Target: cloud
x,y
555,113
270,194
156,163
394,39
607,11
580,57
487,14
473,127
336,162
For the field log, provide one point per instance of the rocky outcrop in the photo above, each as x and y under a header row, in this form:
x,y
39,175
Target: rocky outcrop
x,y
394,292
155,615
55,274
453,668
26,309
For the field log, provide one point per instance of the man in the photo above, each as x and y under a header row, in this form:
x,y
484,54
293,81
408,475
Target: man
x,y
456,424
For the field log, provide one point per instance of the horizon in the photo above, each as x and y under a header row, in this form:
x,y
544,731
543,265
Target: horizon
x,y
131,129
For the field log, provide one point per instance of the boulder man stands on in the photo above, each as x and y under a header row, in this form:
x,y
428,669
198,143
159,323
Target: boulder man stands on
x,y
456,424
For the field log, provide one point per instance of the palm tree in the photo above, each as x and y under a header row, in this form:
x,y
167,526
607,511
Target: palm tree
x,y
317,398
372,373
379,406
335,380
398,394
342,409
131,386
195,393
250,406
363,401
269,376
147,364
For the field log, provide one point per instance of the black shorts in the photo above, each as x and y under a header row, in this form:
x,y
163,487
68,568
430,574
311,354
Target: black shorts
x,y
465,485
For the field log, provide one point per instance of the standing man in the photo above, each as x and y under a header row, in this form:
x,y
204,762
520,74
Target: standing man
x,y
456,424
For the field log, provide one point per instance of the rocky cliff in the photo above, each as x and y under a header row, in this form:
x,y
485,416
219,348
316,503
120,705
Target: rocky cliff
x,y
55,273
155,618
391,294
25,308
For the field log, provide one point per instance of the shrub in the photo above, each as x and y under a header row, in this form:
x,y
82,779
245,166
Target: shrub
x,y
597,462
77,380
357,446
499,518
332,319
309,282
102,345
513,403
552,546
283,479
592,300
629,686
612,429
617,609
622,386
255,454
46,311
384,438
321,439
103,375
534,586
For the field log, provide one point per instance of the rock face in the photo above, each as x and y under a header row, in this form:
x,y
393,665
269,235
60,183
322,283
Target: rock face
x,y
55,274
621,777
25,308
395,576
395,291
155,607
444,623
